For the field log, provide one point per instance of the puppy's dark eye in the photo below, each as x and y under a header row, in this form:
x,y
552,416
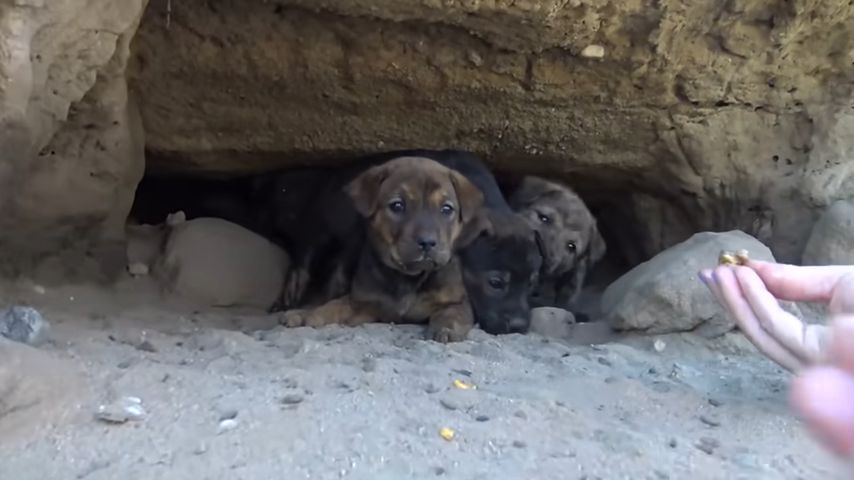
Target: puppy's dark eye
x,y
544,218
571,246
496,283
396,206
447,209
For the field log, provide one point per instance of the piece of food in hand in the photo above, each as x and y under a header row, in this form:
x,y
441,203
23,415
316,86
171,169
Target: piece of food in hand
x,y
733,258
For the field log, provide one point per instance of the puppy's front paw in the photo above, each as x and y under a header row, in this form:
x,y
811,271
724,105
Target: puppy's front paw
x,y
277,306
446,335
294,318
295,287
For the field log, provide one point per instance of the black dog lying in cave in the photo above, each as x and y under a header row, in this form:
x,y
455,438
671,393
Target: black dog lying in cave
x,y
270,205
500,265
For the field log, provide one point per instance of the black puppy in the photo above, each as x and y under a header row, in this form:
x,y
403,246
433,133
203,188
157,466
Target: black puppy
x,y
158,196
269,204
500,256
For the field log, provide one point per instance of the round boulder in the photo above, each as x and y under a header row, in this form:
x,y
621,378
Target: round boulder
x,y
665,295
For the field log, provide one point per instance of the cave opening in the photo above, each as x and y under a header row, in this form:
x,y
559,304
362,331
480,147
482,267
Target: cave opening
x,y
266,201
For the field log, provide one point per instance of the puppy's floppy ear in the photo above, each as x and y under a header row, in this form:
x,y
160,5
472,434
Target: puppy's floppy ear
x,y
479,225
468,195
365,188
597,247
530,190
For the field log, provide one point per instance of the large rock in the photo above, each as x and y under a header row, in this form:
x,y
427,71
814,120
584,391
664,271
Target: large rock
x,y
221,264
665,295
72,140
832,239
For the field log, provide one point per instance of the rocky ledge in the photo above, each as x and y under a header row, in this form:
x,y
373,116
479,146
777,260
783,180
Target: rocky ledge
x,y
670,118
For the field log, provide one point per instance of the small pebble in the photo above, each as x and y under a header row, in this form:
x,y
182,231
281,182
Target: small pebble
x,y
708,445
200,449
520,414
439,471
146,346
137,269
228,414
604,361
226,425
712,422
431,388
24,325
369,364
121,411
661,387
481,418
112,414
745,459
126,363
672,443
715,402
659,345
519,444
449,404
292,399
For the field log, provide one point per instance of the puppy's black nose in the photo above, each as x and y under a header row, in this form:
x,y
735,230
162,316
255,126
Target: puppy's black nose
x,y
518,325
426,242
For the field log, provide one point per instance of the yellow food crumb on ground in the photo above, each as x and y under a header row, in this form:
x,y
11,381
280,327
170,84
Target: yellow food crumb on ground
x,y
447,433
464,386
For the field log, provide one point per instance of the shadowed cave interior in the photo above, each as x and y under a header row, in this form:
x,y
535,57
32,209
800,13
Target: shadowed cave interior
x,y
253,199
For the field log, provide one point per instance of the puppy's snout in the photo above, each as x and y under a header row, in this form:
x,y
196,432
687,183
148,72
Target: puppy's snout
x,y
518,325
427,241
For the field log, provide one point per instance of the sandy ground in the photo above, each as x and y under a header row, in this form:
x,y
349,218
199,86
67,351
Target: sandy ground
x,y
231,395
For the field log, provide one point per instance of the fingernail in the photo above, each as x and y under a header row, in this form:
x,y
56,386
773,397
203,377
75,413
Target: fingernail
x,y
703,278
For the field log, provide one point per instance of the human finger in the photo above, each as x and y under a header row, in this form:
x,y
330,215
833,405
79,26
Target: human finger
x,y
842,338
712,285
738,306
804,341
822,395
799,284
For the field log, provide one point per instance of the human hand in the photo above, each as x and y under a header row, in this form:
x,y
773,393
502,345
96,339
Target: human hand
x,y
823,392
750,293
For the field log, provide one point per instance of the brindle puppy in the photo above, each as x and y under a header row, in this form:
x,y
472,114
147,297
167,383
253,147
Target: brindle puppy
x,y
500,257
571,238
415,211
